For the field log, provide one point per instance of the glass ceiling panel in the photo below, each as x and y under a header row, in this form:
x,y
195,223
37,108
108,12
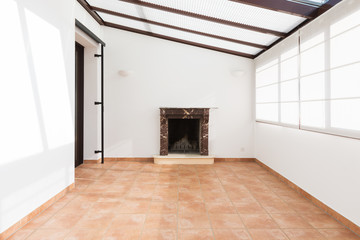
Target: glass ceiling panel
x,y
208,27
124,22
117,6
236,12
180,34
204,40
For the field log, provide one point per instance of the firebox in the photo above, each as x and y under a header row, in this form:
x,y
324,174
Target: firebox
x,y
184,135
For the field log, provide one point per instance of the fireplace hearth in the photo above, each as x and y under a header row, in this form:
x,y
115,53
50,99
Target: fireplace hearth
x,y
184,130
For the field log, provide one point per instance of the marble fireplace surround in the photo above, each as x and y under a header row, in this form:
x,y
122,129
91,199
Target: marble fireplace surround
x,y
184,113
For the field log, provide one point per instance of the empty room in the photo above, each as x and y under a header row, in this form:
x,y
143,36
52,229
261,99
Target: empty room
x,y
180,120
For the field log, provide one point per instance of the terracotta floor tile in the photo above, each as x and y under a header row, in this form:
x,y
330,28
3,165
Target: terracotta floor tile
x,y
158,234
105,207
88,197
124,221
220,207
48,234
132,206
226,221
62,221
38,221
189,187
21,234
198,234
265,197
231,234
290,221
190,196
277,207
89,173
338,234
96,187
192,207
165,196
215,196
111,197
267,234
321,221
85,234
76,206
303,234
163,207
95,220
194,220
122,234
261,221
238,196
305,207
161,221
249,207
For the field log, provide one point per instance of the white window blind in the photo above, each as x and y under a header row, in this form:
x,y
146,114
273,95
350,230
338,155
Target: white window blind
x,y
277,86
330,78
314,82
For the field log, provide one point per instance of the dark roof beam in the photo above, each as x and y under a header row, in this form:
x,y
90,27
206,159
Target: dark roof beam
x,y
87,7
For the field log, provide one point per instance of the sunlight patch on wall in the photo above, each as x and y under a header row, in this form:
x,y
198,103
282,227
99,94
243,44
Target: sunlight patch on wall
x,y
51,80
19,123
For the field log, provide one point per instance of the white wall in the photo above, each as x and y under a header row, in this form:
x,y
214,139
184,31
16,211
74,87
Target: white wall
x,y
325,166
37,96
168,74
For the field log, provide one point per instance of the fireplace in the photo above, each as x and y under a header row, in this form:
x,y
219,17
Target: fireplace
x,y
184,130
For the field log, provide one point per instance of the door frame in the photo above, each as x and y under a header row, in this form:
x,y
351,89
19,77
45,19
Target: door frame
x,y
79,104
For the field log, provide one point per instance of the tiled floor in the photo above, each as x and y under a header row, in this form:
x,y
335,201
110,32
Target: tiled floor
x,y
223,201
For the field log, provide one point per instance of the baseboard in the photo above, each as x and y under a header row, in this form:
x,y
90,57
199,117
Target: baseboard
x,y
151,159
95,161
234,159
11,230
129,159
340,218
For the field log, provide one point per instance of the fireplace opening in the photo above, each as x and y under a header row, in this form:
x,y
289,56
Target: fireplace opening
x,y
184,135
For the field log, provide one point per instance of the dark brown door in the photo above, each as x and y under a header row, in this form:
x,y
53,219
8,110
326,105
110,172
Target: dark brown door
x,y
79,104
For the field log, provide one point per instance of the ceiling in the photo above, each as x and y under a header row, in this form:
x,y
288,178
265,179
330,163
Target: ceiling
x,y
241,27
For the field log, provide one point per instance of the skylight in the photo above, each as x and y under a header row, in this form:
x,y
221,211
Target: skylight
x,y
312,3
241,27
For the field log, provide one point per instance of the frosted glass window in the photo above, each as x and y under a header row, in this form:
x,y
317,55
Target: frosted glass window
x,y
289,68
345,23
345,114
267,111
312,87
345,81
267,65
267,94
267,76
289,53
345,48
313,114
312,41
289,91
290,113
313,60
